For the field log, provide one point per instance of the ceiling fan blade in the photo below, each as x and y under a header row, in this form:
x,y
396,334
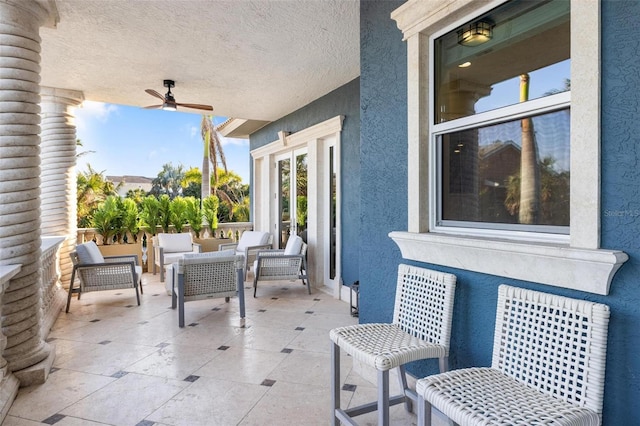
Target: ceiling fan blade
x,y
154,93
153,107
196,106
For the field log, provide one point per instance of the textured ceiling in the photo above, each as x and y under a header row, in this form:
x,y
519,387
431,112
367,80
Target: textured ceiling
x,y
256,60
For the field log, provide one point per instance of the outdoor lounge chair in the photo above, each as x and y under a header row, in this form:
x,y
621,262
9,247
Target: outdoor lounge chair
x,y
248,245
421,329
280,265
96,272
169,248
548,364
207,276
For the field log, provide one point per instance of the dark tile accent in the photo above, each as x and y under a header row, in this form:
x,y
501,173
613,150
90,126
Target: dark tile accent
x,y
94,320
53,370
143,322
145,423
118,294
286,351
268,382
130,306
274,298
50,339
193,324
223,348
215,309
52,420
262,310
317,300
285,288
119,374
348,387
157,294
162,345
248,287
308,312
104,342
299,328
191,378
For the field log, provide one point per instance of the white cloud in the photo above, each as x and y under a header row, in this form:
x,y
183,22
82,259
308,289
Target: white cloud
x,y
233,141
97,110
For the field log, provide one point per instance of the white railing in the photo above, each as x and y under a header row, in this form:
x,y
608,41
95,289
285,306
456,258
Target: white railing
x,y
52,295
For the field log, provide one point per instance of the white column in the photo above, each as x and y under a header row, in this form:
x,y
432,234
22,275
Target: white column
x,y
20,21
58,175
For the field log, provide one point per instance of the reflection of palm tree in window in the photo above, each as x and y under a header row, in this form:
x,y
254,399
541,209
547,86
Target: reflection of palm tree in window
x,y
530,177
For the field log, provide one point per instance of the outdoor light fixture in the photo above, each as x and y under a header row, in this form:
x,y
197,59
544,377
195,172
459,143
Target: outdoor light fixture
x,y
169,106
475,33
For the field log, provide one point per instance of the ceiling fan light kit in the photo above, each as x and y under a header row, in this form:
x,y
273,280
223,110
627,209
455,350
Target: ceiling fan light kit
x,y
169,102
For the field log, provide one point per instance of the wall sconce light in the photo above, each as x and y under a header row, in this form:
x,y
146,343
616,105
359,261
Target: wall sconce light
x,y
475,33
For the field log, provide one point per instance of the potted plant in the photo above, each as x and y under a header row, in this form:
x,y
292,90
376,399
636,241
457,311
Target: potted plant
x,y
130,220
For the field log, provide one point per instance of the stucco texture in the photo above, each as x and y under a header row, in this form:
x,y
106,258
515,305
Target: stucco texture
x,y
383,202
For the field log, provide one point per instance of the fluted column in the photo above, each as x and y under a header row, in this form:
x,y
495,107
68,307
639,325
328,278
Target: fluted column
x,y
20,181
57,170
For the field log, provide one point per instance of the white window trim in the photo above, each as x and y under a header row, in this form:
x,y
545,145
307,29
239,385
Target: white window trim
x,y
581,264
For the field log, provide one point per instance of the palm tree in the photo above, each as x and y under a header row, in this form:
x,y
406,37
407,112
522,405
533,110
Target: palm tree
x,y
92,189
212,151
530,175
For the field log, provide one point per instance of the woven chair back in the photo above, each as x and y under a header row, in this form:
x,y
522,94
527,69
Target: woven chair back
x,y
424,303
209,275
554,344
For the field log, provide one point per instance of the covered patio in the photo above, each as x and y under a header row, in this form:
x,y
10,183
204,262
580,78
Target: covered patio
x,y
119,363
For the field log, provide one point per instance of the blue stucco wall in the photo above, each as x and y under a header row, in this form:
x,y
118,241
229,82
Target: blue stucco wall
x,y
342,101
384,198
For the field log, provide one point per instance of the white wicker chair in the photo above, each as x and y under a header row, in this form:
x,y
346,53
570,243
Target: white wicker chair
x,y
421,329
248,245
96,272
547,368
168,248
207,276
282,265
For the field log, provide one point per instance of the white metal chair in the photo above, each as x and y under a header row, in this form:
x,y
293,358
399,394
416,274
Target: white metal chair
x,y
547,368
168,248
281,265
207,276
421,329
248,245
96,272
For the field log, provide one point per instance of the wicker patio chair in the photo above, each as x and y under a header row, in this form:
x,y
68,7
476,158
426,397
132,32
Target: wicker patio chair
x,y
96,272
248,245
282,265
421,329
547,367
168,248
207,276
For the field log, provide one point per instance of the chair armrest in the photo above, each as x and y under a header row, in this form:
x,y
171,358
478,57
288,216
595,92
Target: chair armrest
x,y
122,258
273,252
197,248
253,249
227,246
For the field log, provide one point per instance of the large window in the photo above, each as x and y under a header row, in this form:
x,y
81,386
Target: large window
x,y
501,120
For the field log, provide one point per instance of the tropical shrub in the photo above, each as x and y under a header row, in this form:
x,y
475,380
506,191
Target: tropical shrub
x,y
210,212
150,214
130,220
165,212
107,218
193,214
178,213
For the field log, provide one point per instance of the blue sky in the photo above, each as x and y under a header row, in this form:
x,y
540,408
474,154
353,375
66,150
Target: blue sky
x,y
136,141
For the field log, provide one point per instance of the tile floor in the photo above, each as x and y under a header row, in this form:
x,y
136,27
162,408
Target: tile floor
x,y
122,364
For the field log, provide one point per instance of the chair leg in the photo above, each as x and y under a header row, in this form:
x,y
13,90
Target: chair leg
x,y
73,277
255,286
335,383
444,364
137,294
402,377
161,273
241,293
383,397
180,301
424,412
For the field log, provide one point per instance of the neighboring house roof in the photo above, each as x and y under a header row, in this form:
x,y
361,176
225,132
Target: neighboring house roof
x,y
130,179
496,147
